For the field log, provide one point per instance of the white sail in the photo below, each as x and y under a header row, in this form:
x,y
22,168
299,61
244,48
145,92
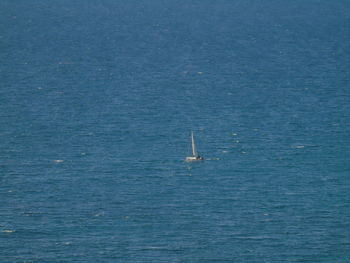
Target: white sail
x,y
194,151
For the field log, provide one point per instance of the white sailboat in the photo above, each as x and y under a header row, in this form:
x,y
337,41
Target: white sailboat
x,y
195,156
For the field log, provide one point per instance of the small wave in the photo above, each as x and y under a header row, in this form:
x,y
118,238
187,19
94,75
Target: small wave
x,y
297,146
64,243
99,214
33,213
159,248
262,237
8,231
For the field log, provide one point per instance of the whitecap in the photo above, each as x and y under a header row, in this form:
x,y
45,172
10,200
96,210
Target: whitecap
x,y
298,146
8,231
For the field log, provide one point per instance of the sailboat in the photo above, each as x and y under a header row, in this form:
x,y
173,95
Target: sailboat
x,y
195,156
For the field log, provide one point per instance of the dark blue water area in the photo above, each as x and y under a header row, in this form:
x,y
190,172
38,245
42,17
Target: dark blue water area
x,y
97,103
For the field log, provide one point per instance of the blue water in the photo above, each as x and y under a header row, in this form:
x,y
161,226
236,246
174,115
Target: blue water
x,y
97,103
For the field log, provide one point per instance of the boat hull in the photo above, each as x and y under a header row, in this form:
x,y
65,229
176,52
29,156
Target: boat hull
x,y
194,159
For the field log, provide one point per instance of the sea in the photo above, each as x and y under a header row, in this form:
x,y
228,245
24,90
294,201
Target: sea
x,y
98,100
